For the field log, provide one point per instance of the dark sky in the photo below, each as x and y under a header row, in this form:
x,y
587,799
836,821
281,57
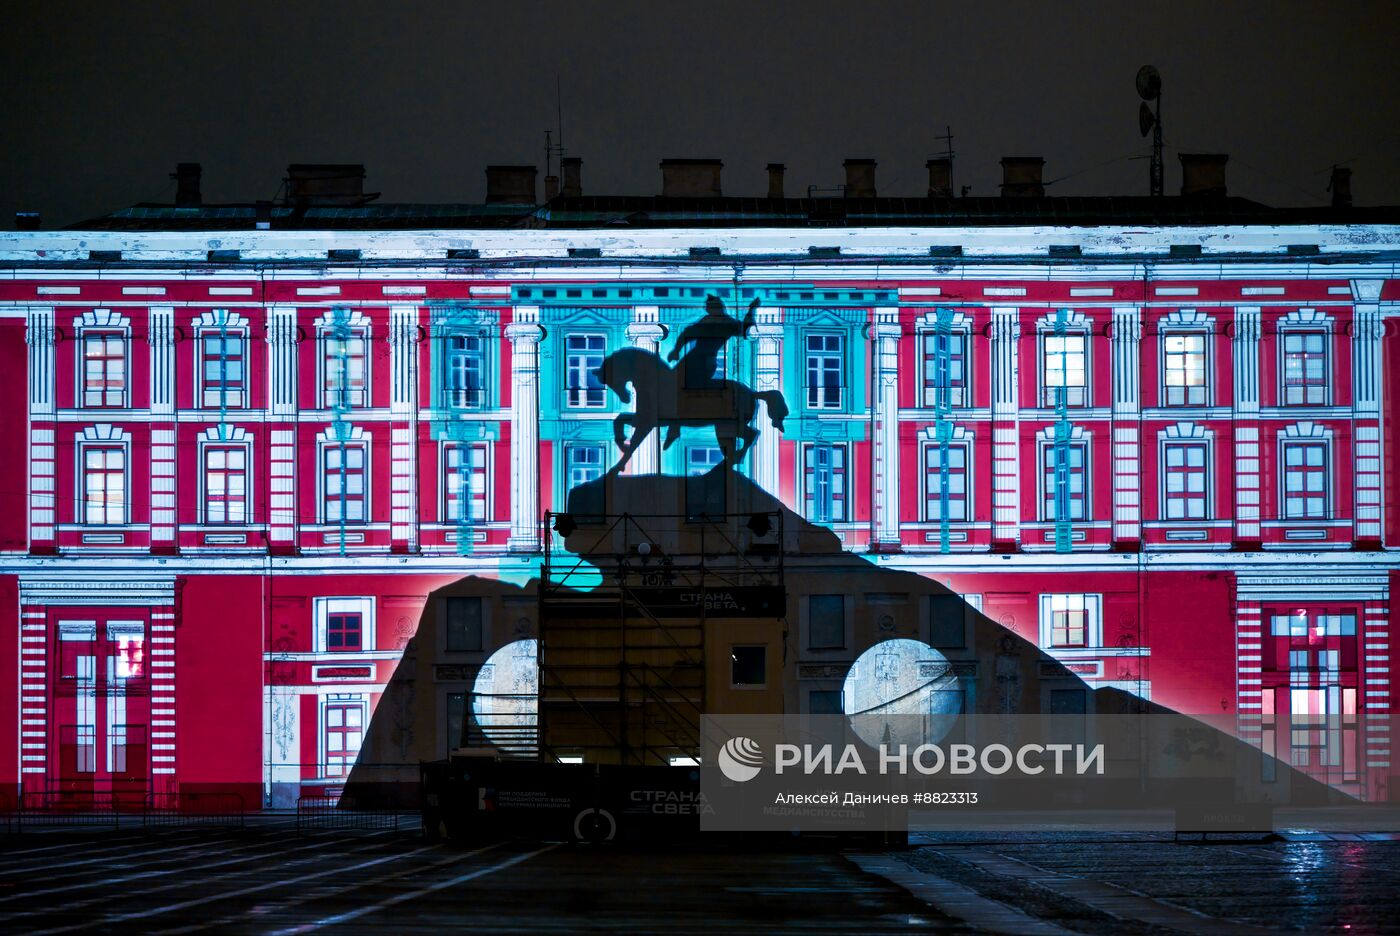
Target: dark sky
x,y
102,99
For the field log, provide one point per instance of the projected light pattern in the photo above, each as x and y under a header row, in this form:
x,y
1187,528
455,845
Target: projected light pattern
x,y
901,691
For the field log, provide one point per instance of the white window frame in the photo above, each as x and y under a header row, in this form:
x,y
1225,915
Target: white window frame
x,y
960,326
1045,440
1090,603
355,436
1187,323
447,472
1185,433
817,392
323,731
965,445
359,326
1306,433
1076,324
582,402
323,608
235,328
107,437
808,480
459,398
234,437
105,322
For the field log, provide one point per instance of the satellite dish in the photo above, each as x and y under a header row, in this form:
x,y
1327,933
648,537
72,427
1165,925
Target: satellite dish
x,y
1145,118
1149,83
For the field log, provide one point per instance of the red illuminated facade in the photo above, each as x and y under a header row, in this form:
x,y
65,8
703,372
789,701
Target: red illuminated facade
x,y
232,481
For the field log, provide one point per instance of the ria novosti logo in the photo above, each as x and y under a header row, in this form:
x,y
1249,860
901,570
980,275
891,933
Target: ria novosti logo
x,y
740,759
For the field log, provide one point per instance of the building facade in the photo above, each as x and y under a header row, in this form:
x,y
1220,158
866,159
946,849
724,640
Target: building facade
x,y
239,461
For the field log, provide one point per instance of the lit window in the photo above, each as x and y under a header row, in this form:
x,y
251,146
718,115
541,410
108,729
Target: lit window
x,y
583,357
945,482
1185,477
104,369
344,734
466,385
104,484
464,482
1300,624
825,471
583,465
344,631
1065,481
345,369
1066,377
945,369
1070,621
1185,368
1305,481
826,622
824,366
463,625
343,483
704,485
225,484
222,370
748,666
1304,368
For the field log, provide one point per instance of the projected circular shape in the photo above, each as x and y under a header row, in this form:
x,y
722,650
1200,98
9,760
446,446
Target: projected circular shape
x,y
505,697
901,691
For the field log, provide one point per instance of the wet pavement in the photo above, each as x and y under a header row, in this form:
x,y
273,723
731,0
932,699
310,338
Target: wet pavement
x,y
268,878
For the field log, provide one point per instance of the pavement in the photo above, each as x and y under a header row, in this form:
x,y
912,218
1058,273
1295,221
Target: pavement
x,y
270,878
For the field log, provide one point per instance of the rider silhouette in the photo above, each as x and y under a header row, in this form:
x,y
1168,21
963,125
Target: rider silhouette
x,y
707,338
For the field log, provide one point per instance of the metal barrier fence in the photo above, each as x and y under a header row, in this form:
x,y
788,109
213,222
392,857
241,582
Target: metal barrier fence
x,y
181,810
103,810
320,813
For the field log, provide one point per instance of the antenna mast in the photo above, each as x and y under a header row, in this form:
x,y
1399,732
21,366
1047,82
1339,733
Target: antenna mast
x,y
1149,88
947,153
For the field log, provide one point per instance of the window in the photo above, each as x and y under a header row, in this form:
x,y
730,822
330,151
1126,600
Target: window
x,y
824,366
344,632
104,369
344,370
463,625
584,464
704,485
945,482
225,484
464,483
344,733
825,472
748,666
826,622
1066,376
824,702
583,356
945,369
465,368
343,483
1070,621
104,484
456,719
1305,480
222,369
947,621
1185,476
1065,494
1304,368
1300,624
1184,368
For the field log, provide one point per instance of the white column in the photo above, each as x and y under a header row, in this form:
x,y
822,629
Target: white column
x,y
1367,330
767,336
884,334
525,333
1126,333
282,438
403,410
39,335
160,334
645,331
1245,348
1006,446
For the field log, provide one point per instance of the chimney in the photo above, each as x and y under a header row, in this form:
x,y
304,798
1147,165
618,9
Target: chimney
x,y
510,185
186,176
311,184
571,169
690,178
1203,174
1021,177
551,187
940,177
860,178
775,180
27,220
1340,186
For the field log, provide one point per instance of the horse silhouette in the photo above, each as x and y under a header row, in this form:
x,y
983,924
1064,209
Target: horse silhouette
x,y
664,400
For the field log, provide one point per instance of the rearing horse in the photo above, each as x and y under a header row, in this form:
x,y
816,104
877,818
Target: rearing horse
x,y
663,400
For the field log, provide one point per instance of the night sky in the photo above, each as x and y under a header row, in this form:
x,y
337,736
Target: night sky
x,y
102,99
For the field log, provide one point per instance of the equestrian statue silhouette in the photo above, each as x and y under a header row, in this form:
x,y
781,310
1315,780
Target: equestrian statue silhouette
x,y
689,394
